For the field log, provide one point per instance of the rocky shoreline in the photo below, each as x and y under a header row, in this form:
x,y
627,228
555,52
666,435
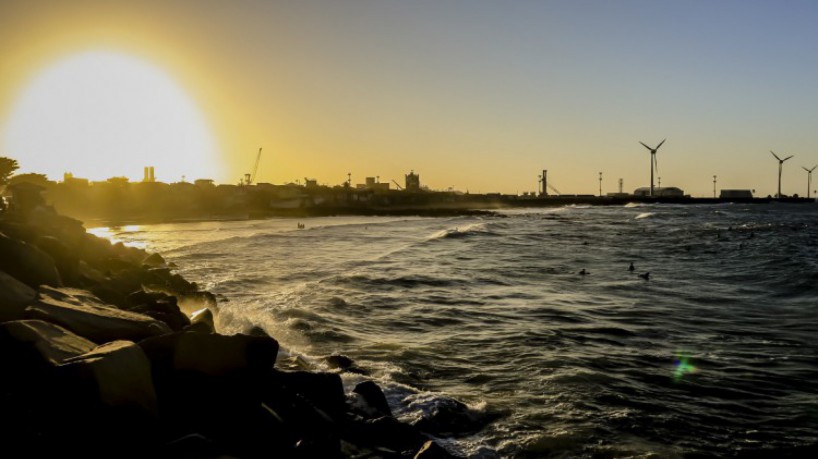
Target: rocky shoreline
x,y
109,353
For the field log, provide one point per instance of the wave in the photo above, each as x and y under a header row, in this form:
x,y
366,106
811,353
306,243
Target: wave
x,y
462,231
644,215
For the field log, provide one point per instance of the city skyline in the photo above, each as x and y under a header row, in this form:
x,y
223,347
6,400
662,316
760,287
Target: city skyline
x,y
474,96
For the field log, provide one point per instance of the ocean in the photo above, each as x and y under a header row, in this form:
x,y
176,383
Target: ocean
x,y
487,320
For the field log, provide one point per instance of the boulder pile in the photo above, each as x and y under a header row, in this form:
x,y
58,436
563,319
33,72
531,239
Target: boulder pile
x,y
100,361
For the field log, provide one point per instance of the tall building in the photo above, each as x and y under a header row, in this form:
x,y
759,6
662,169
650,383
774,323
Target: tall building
x,y
412,181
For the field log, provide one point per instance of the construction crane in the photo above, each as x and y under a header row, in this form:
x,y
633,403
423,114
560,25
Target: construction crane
x,y
551,187
397,184
250,178
255,167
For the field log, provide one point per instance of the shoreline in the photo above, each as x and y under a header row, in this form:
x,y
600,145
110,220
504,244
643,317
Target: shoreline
x,y
109,352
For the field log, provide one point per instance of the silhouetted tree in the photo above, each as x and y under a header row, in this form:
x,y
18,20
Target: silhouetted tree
x,y
7,168
36,179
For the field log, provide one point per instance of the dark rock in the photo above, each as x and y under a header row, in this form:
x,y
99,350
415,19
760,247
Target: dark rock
x,y
324,390
386,432
340,362
374,397
447,417
119,371
27,263
14,297
431,450
35,342
190,302
154,260
87,316
202,321
67,262
159,306
212,353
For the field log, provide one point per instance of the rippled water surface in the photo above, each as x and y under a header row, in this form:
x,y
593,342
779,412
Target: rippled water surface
x,y
716,354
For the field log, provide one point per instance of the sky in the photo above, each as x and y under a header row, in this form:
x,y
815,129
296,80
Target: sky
x,y
475,95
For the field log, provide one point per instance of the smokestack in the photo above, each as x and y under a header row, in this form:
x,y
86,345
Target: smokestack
x,y
146,177
153,179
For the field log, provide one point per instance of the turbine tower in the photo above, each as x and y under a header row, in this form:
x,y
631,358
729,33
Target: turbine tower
x,y
780,165
809,177
653,162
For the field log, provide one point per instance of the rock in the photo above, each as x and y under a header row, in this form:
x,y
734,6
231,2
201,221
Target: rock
x,y
374,397
324,390
190,302
202,321
118,371
14,297
27,263
66,261
159,306
431,450
211,353
386,432
340,362
40,342
87,316
446,417
154,260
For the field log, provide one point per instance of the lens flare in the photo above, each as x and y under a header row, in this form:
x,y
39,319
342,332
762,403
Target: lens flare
x,y
682,366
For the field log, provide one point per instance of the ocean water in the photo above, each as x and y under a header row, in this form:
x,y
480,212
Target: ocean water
x,y
714,355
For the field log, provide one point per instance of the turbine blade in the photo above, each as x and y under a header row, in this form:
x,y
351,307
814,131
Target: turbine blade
x,y
655,162
788,157
808,170
813,168
643,144
660,144
776,156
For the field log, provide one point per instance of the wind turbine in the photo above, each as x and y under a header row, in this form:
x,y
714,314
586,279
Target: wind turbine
x,y
809,177
653,161
780,164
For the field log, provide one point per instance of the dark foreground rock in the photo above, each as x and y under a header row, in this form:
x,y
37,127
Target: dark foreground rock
x,y
101,358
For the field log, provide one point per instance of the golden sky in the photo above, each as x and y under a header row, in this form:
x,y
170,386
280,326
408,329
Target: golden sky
x,y
474,95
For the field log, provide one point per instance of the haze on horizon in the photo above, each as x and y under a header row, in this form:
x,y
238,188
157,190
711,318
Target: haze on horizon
x,y
475,95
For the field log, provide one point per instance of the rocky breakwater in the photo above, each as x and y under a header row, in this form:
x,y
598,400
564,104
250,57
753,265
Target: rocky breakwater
x,y
99,360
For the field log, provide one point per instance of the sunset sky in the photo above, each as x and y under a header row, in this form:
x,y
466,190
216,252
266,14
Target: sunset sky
x,y
477,95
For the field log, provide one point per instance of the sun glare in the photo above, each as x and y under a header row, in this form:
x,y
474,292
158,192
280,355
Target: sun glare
x,y
103,114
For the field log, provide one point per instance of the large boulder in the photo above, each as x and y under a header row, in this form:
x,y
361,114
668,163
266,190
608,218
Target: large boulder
x,y
116,374
212,353
159,306
39,343
14,297
374,398
27,263
87,316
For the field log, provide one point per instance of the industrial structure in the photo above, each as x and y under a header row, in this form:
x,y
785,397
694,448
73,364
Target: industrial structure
x,y
653,162
780,166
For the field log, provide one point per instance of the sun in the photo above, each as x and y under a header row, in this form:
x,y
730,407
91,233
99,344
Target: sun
x,y
100,114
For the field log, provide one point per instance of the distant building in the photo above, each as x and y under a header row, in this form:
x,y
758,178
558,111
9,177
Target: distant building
x,y
69,180
310,183
149,177
736,194
664,192
372,184
412,181
204,183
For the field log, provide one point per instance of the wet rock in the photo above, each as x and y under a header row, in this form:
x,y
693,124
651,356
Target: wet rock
x,y
386,432
374,398
27,263
14,297
431,450
446,417
211,353
159,306
340,362
324,390
89,317
154,260
202,321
